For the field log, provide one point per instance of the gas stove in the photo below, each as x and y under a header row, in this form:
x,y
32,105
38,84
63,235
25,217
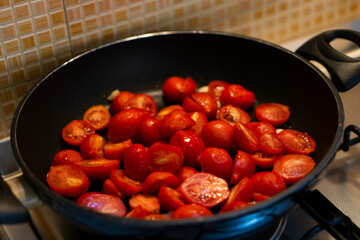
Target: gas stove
x,y
340,184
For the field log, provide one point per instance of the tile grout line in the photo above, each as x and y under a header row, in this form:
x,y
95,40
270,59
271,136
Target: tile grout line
x,y
68,28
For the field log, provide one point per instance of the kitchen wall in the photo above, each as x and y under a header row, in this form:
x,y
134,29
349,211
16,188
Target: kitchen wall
x,y
38,35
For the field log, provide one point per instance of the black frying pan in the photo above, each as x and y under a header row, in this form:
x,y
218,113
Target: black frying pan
x,y
141,64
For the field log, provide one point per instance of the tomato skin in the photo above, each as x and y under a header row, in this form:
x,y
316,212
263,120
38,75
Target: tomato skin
x,y
216,87
98,169
76,131
98,116
270,144
117,150
175,88
244,166
67,180
136,162
110,189
185,172
142,101
205,189
297,142
191,211
169,198
125,124
268,183
124,184
237,95
259,128
274,113
149,132
201,102
233,114
293,167
200,121
157,217
263,160
168,109
217,133
155,180
217,161
191,144
234,206
164,157
242,191
137,212
119,101
245,139
150,204
174,121
93,146
67,156
103,203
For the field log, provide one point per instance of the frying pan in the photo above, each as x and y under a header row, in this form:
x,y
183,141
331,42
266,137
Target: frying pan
x,y
141,64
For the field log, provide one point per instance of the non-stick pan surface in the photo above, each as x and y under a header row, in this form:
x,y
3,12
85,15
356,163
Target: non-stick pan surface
x,y
141,65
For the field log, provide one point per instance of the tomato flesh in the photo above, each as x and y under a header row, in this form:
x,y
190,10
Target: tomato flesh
x,y
273,113
76,131
297,142
98,116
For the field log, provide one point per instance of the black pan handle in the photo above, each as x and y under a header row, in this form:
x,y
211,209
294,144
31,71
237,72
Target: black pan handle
x,y
344,70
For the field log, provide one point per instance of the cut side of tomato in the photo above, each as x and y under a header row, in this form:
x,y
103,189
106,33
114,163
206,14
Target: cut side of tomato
x,y
76,131
164,157
263,160
191,211
98,169
117,150
233,114
296,142
149,203
110,189
242,191
170,199
273,113
98,116
93,146
155,180
268,183
142,101
125,185
67,156
233,206
270,144
245,139
244,166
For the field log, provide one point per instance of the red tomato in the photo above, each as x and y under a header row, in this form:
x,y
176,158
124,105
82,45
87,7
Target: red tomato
x,y
67,180
191,211
259,128
136,162
142,101
93,146
98,116
137,212
119,101
185,172
216,87
234,206
76,131
201,102
98,169
263,160
242,191
219,134
191,144
155,180
200,121
149,132
110,189
268,183
125,185
125,124
205,189
157,217
293,167
164,111
169,198
217,161
297,142
103,203
233,114
117,150
175,88
150,204
245,139
174,121
270,144
164,157
67,156
244,166
237,95
273,113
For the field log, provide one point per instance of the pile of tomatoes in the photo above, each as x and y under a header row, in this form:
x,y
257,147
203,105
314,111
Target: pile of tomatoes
x,y
198,156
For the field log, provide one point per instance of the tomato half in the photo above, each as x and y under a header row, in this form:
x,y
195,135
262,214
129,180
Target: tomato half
x,y
136,162
149,131
155,180
297,142
200,121
164,157
259,128
218,133
268,183
217,161
169,198
119,101
76,131
98,169
233,114
149,203
274,113
164,111
216,87
263,160
234,206
156,217
185,172
244,166
191,211
175,88
201,102
237,95
117,150
98,116
110,189
93,146
245,139
142,101
125,185
270,144
174,121
67,156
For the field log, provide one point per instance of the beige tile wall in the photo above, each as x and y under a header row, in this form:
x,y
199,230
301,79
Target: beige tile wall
x,y
38,35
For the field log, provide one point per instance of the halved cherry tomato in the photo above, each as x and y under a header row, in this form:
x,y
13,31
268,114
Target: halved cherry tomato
x,y
245,139
157,217
259,128
67,180
136,162
164,111
103,203
137,212
67,156
117,150
175,88
270,144
205,189
242,191
185,172
274,113
268,183
149,203
76,131
217,133
125,185
263,160
119,101
174,121
110,189
93,146
149,131
191,144
244,166
169,198
293,167
142,101
217,161
234,206
200,121
233,114
297,142
155,180
98,169
201,102
98,116
237,95
216,87
191,211
164,157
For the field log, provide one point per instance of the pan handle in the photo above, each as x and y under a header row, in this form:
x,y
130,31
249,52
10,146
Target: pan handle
x,y
344,70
